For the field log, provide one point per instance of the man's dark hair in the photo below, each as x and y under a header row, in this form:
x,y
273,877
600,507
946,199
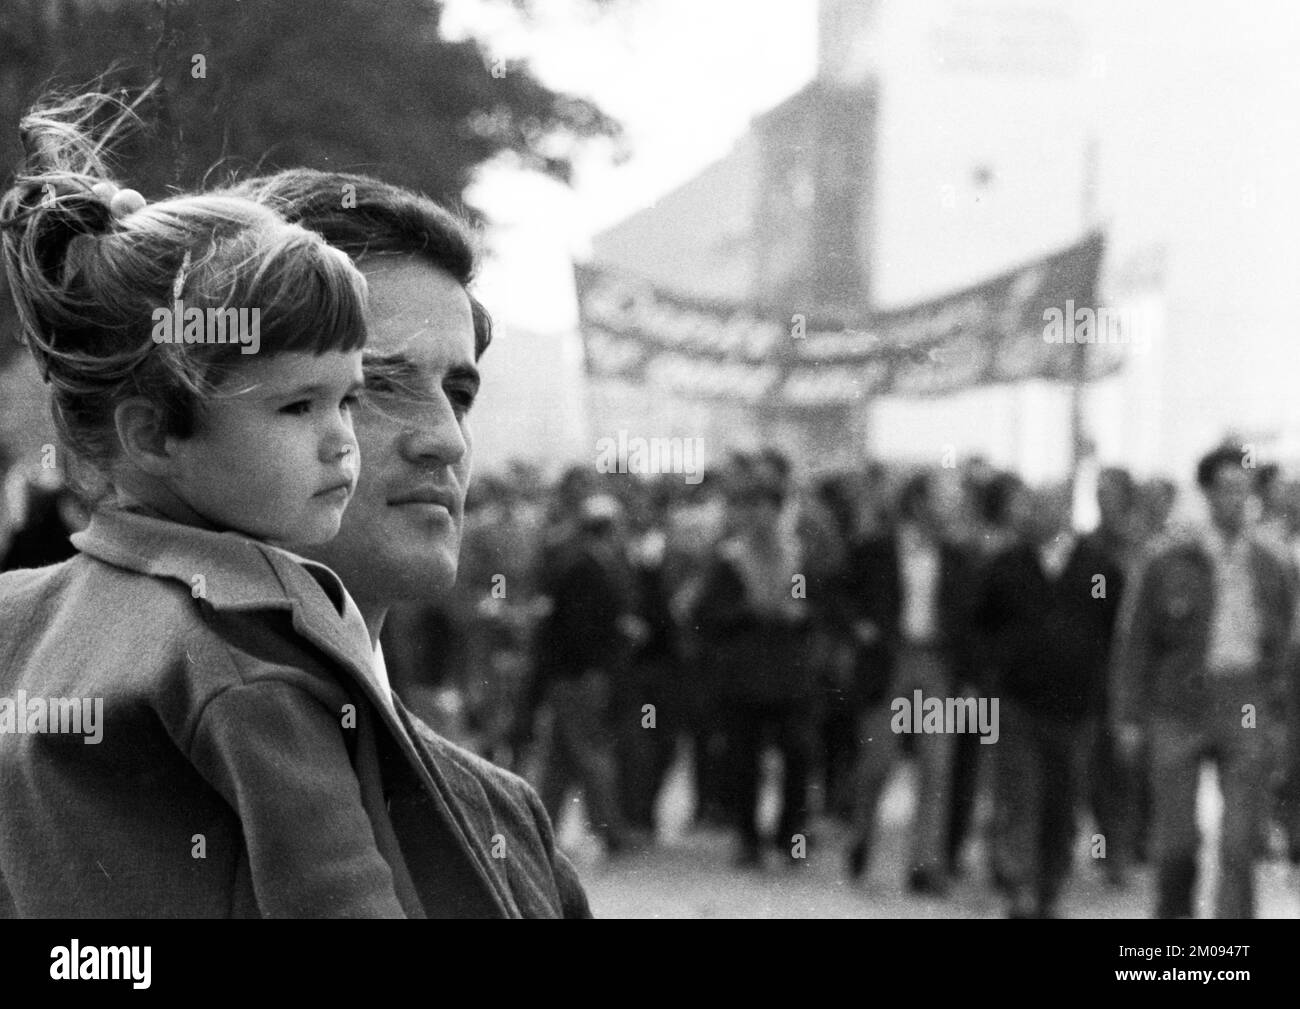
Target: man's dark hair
x,y
1266,476
364,216
995,497
914,493
1123,480
1213,461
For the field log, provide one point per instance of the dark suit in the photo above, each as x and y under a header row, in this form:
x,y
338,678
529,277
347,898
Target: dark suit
x,y
581,654
765,690
1046,641
891,666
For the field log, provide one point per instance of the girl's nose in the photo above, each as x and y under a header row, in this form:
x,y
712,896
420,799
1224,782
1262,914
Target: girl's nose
x,y
338,445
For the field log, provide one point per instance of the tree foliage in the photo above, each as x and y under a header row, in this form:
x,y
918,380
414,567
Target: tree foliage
x,y
254,85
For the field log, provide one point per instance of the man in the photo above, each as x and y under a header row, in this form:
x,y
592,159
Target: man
x,y
905,595
1042,612
1112,787
582,649
1200,673
752,618
473,839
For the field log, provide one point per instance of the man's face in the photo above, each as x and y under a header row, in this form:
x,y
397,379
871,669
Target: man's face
x,y
1112,502
1049,512
1228,496
400,538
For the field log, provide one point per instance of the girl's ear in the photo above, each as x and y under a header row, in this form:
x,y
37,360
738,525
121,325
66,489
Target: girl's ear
x,y
140,431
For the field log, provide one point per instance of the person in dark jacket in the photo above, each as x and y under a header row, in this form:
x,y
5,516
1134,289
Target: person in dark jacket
x,y
1112,786
1043,614
50,515
752,617
905,594
652,708
581,652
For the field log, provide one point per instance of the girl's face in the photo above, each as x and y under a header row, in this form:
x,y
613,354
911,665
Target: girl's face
x,y
273,455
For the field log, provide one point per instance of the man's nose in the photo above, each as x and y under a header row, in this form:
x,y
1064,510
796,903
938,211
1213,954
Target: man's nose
x,y
436,436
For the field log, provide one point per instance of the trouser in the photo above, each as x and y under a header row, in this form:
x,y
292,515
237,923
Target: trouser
x,y
1111,793
921,669
963,785
581,751
750,725
647,740
1037,772
838,738
1178,745
1287,802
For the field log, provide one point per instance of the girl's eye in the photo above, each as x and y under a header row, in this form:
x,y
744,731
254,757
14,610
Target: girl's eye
x,y
297,409
351,401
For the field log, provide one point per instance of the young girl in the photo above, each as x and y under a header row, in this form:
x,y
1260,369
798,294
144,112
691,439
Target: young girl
x,y
203,357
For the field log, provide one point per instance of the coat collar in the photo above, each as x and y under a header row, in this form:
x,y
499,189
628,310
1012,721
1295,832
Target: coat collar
x,y
232,572
243,574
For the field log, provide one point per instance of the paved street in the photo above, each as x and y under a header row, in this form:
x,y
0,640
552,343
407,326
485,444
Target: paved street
x,y
688,875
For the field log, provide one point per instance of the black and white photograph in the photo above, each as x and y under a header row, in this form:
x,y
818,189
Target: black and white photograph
x,y
675,459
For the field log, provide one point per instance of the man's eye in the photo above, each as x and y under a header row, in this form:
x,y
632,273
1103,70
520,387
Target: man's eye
x,y
461,399
377,383
297,409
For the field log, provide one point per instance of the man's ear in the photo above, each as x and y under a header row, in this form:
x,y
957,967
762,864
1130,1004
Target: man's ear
x,y
140,431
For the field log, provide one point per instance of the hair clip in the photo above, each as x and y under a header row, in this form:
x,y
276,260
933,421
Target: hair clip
x,y
178,284
121,202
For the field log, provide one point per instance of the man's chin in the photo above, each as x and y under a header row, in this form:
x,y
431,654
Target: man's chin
x,y
415,580
390,573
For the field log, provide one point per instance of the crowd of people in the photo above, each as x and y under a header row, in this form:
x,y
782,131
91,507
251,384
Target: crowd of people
x,y
605,627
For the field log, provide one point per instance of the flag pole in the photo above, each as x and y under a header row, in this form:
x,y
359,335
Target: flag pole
x,y
1079,362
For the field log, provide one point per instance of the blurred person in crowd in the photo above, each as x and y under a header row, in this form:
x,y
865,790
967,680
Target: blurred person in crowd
x,y
580,652
1201,662
904,596
1287,809
957,516
696,522
648,736
752,614
836,646
561,519
1111,784
1153,522
1156,500
1043,612
981,522
44,515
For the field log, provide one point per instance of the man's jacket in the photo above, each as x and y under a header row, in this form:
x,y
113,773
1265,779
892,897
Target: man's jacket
x,y
871,589
248,765
1164,633
1046,641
